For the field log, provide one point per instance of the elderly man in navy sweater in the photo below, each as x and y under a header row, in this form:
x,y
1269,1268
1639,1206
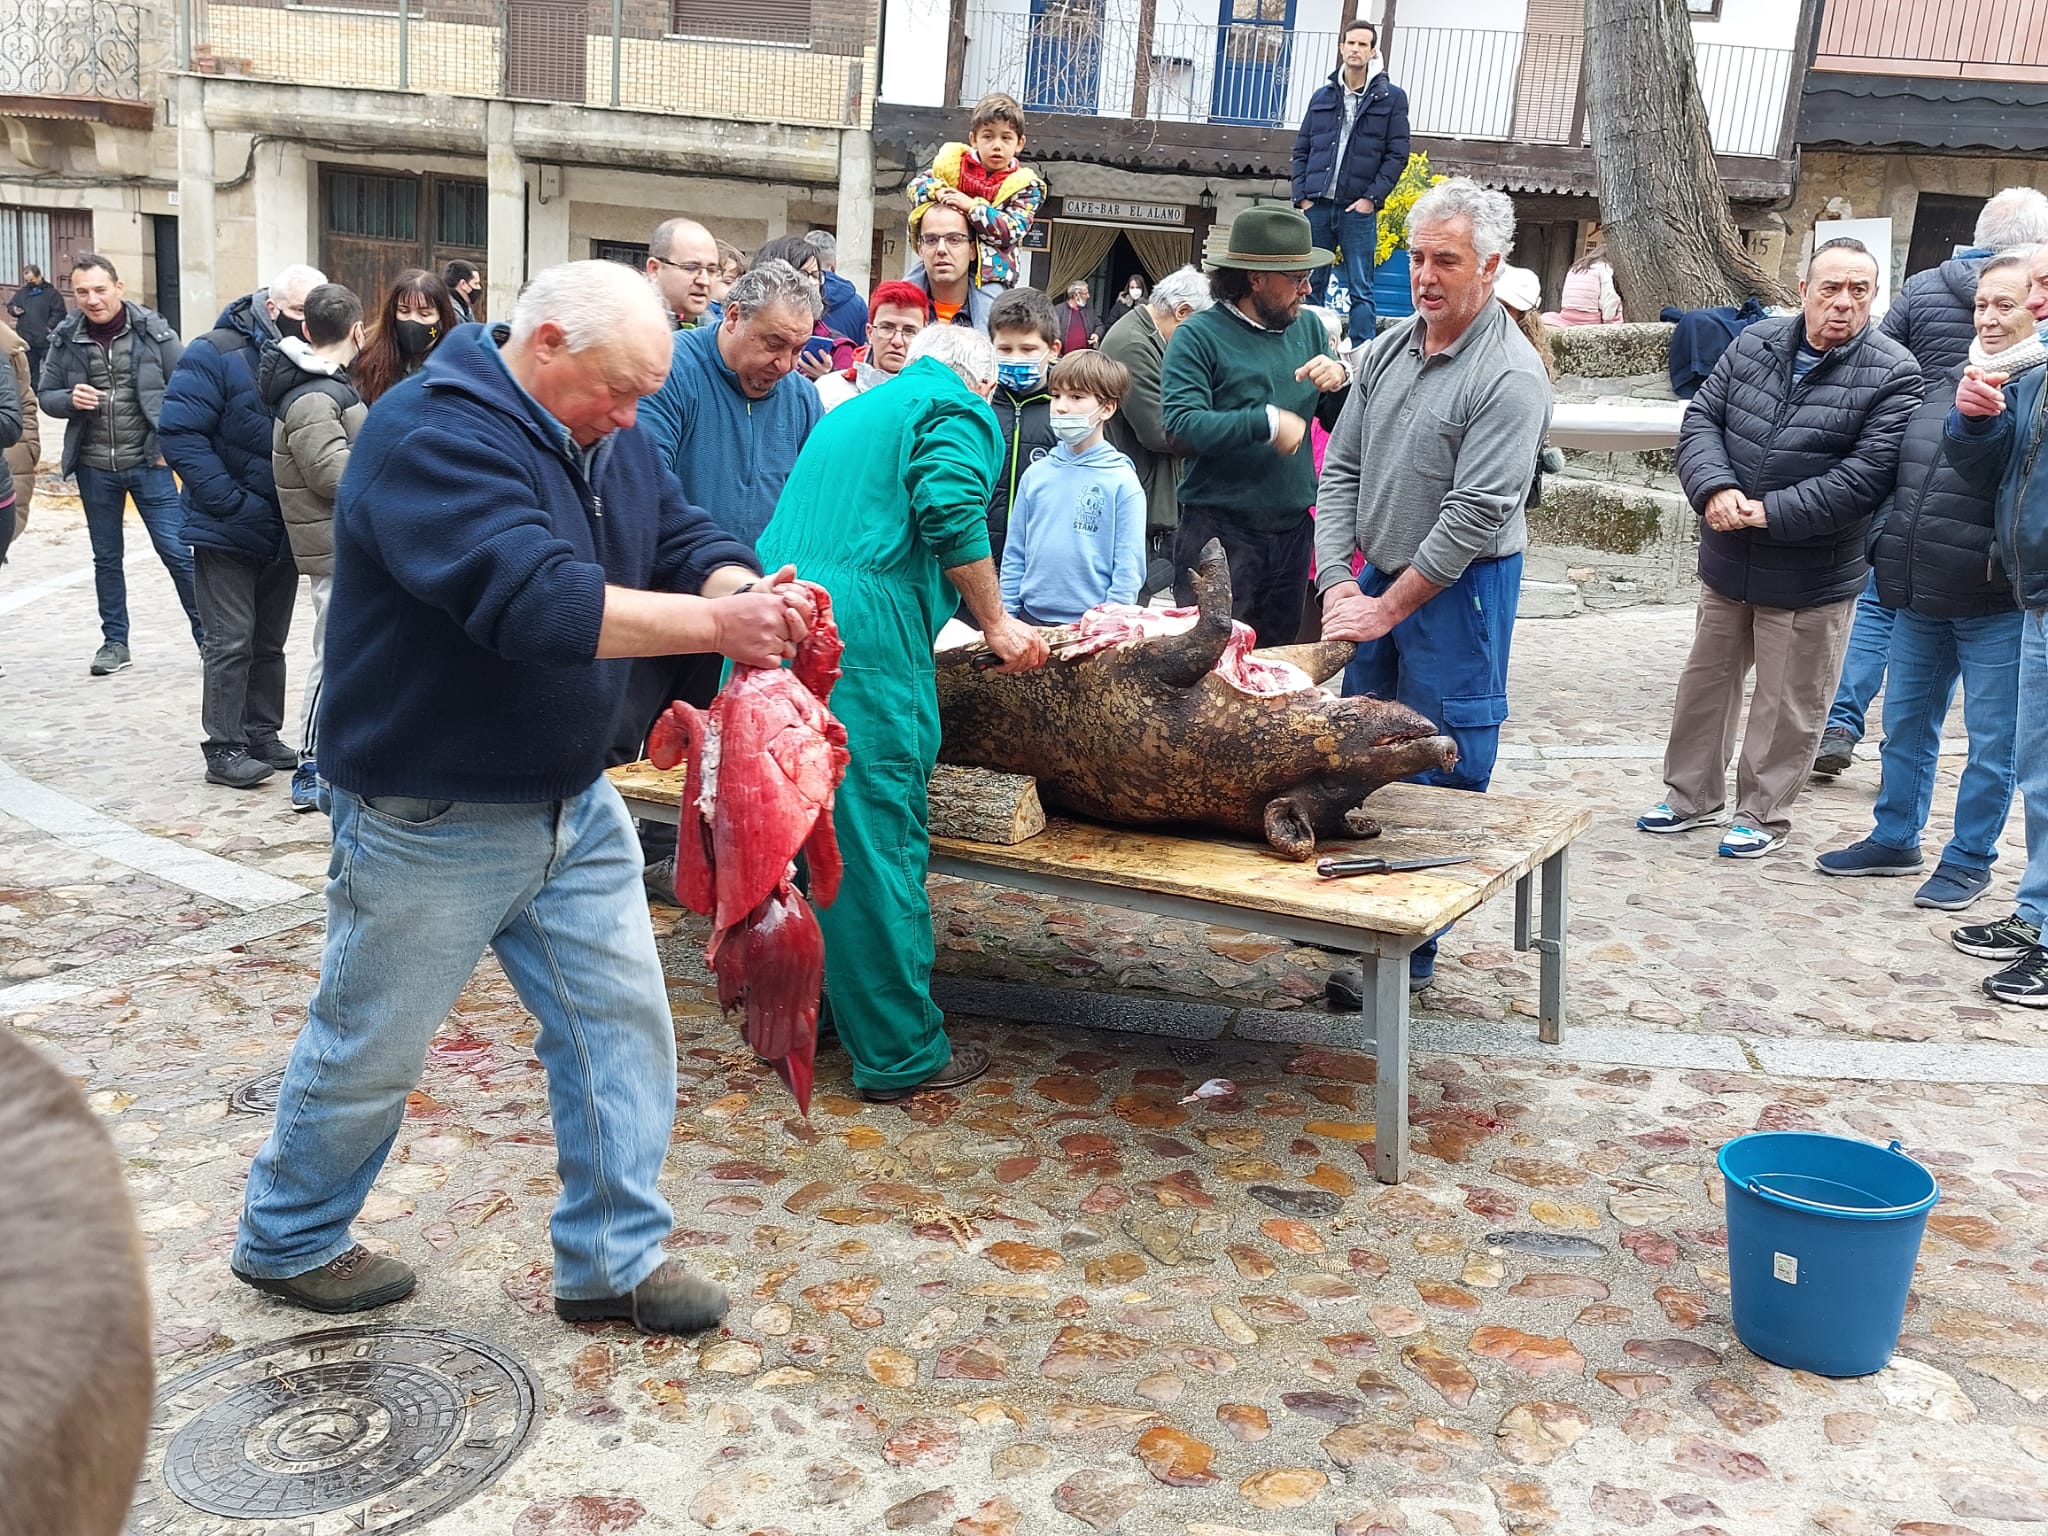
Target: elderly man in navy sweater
x,y
504,537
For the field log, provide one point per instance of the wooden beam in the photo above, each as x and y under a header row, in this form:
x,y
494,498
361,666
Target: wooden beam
x,y
956,54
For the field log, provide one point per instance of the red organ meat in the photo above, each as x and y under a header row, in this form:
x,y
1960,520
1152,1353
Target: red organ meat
x,y
763,763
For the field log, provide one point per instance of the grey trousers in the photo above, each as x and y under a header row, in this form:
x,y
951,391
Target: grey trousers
x,y
1796,654
246,609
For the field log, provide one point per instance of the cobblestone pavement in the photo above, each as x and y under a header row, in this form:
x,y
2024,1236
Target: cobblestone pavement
x,y
1062,1299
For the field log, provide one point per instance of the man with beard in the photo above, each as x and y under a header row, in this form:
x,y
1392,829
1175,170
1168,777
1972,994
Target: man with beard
x,y
1238,386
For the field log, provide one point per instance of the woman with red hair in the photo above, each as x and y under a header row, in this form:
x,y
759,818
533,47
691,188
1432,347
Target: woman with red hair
x,y
896,313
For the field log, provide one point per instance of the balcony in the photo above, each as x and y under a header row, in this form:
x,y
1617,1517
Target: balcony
x,y
591,53
76,58
1462,83
1967,40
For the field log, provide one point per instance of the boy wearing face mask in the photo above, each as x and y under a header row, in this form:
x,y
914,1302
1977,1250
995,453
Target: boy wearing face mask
x,y
1077,528
1022,326
317,412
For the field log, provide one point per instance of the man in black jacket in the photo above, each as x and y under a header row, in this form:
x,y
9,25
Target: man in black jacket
x,y
1785,452
38,309
1933,319
1352,148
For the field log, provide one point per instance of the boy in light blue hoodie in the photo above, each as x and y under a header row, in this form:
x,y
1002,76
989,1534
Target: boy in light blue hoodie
x,y
1077,526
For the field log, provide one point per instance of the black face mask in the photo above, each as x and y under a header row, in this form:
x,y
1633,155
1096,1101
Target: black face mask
x,y
291,325
416,340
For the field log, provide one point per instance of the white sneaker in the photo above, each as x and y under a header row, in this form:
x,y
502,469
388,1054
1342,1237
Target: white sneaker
x,y
1665,819
1745,842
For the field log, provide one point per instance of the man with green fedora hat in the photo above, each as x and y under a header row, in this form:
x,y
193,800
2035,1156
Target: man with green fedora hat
x,y
1240,382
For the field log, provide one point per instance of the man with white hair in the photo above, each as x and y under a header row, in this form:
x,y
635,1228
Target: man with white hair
x,y
1934,319
1138,340
503,538
888,508
215,431
1427,475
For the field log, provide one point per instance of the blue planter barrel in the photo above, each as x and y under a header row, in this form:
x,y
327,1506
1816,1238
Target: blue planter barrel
x,y
1390,294
1823,1233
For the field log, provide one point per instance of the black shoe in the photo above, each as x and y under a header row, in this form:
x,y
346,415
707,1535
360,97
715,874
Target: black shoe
x,y
355,1282
2007,939
2024,982
235,768
671,1300
968,1063
1837,752
274,752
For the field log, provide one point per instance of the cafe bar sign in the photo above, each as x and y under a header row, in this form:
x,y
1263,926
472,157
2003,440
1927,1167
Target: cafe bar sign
x,y
1123,213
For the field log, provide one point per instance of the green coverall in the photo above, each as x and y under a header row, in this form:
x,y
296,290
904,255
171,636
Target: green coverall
x,y
890,491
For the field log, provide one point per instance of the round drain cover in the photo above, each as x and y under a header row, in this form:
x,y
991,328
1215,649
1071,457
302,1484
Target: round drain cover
x,y
258,1096
376,1428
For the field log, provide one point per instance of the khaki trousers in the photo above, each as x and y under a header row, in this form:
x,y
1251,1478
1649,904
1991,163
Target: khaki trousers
x,y
1797,656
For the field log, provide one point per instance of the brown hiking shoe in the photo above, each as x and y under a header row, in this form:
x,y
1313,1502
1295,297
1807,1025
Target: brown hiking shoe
x,y
671,1300
354,1282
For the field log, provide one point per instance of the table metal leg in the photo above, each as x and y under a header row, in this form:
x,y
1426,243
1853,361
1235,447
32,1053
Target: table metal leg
x,y
1522,912
1386,988
1552,948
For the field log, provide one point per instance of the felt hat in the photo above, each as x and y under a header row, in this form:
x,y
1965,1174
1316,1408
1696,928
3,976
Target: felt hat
x,y
1518,288
1267,239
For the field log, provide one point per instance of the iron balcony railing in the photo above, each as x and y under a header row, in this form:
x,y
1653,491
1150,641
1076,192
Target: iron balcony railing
x,y
596,54
83,48
1092,59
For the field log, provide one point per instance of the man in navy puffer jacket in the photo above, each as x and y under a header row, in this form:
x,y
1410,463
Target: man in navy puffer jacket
x,y
215,431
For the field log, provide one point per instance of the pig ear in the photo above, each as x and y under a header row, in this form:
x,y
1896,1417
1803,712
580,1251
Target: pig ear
x,y
1180,661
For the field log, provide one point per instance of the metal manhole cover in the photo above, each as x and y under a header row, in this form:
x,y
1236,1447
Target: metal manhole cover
x,y
372,1429
258,1096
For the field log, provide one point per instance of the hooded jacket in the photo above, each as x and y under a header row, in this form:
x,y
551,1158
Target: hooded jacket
x,y
1934,549
1933,316
2001,456
1026,422
1077,536
1376,153
846,312
472,547
316,414
1819,453
729,454
27,450
132,374
216,435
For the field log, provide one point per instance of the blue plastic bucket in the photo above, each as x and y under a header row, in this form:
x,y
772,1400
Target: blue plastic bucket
x,y
1823,1233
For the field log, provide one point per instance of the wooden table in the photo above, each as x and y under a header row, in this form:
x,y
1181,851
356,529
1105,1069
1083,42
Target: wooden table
x,y
1379,918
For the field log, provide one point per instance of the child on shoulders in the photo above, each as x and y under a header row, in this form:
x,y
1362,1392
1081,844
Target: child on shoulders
x,y
1077,528
985,180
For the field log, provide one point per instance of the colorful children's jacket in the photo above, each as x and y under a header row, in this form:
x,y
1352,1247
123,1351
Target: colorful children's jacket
x,y
1000,216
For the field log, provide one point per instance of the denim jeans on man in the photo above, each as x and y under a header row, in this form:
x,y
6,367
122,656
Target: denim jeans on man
x,y
2031,753
1448,661
105,494
1870,641
1356,239
416,891
1928,656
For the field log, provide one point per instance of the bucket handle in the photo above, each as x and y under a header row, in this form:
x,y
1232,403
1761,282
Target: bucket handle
x,y
1757,1187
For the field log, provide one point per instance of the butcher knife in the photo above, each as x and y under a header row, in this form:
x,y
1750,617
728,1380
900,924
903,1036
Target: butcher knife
x,y
1338,869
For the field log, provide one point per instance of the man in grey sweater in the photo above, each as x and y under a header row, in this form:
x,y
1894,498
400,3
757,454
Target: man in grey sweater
x,y
1427,475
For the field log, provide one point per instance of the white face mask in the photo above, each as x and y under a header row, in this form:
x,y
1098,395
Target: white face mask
x,y
1071,427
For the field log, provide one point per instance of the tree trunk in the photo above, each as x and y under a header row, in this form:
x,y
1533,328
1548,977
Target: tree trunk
x,y
1663,210
979,805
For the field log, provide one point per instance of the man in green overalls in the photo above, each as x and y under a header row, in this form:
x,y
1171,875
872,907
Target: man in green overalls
x,y
886,510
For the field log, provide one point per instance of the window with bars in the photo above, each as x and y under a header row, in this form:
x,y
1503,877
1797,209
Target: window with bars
x,y
623,251
24,239
461,216
775,21
374,207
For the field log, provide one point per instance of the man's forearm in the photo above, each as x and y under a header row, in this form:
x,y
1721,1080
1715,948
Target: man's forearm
x,y
725,580
977,583
1411,589
637,623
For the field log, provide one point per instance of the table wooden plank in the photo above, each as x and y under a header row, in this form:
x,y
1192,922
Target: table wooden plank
x,y
1506,836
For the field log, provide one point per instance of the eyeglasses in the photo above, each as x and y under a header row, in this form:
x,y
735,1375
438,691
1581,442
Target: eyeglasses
x,y
950,242
894,330
689,268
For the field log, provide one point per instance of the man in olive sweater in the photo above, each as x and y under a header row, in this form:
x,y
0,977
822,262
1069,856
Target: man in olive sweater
x,y
1237,390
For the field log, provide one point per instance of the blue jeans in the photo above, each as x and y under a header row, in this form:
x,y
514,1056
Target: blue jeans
x,y
104,494
1448,660
1356,238
416,891
1928,656
1870,641
2032,756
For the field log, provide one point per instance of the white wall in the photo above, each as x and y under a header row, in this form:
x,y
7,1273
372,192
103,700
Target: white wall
x,y
1751,24
914,53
